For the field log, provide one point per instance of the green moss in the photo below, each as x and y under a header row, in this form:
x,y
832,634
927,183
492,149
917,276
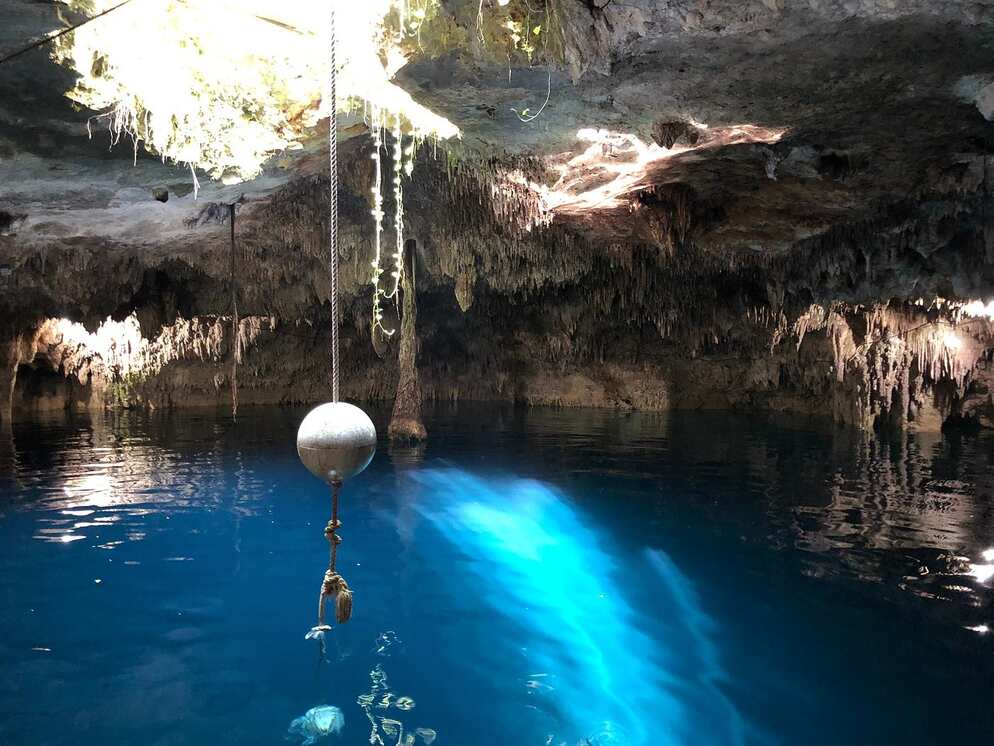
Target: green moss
x,y
521,33
123,390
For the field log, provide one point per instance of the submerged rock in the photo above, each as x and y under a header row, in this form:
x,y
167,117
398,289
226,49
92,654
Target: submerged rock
x,y
315,724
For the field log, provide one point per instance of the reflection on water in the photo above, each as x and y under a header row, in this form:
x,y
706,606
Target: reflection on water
x,y
382,707
838,492
528,577
901,509
110,470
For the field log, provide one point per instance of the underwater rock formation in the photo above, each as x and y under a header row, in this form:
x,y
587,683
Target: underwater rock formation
x,y
316,724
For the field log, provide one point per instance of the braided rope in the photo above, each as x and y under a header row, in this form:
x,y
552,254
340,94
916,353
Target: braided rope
x,y
334,585
333,195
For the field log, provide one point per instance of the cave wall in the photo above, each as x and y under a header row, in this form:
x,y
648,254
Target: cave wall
x,y
827,180
518,305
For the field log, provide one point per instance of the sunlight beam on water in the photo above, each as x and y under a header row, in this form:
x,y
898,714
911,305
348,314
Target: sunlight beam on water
x,y
619,677
700,628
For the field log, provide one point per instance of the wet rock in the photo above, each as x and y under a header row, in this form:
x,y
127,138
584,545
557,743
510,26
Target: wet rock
x,y
9,221
668,134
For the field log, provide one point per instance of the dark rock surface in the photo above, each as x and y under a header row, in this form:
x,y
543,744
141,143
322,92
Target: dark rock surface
x,y
767,156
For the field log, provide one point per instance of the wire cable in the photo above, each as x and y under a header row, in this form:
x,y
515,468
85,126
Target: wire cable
x,y
333,198
52,37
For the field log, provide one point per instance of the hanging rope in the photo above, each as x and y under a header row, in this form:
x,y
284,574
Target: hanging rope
x,y
333,197
236,342
333,585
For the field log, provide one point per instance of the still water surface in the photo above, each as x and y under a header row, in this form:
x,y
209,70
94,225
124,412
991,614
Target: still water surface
x,y
528,578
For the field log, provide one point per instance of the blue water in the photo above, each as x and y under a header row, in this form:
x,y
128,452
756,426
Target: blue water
x,y
530,577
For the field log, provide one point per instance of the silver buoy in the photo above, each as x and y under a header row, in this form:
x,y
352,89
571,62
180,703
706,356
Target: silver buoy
x,y
336,441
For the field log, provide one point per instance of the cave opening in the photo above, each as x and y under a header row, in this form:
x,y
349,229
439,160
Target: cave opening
x,y
596,398
40,387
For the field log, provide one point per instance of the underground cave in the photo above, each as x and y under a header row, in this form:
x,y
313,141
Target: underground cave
x,y
609,372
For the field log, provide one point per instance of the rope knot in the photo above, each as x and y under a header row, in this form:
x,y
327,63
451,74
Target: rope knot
x,y
333,583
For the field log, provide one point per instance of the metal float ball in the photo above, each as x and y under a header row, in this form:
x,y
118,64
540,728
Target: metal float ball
x,y
336,441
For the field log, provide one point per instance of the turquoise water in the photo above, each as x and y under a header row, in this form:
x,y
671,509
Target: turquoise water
x,y
529,577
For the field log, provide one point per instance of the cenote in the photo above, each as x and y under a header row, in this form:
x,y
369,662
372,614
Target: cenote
x,y
497,372
526,577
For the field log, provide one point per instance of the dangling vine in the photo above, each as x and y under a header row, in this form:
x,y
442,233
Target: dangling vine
x,y
398,217
403,165
376,128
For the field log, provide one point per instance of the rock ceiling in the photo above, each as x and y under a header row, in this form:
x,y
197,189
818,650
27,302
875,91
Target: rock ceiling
x,y
784,118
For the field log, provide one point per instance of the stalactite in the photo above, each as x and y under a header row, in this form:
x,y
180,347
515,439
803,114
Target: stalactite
x,y
236,336
119,361
906,352
17,346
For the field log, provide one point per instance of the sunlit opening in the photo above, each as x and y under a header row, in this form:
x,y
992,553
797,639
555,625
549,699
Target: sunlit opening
x,y
952,341
223,85
613,165
982,573
978,309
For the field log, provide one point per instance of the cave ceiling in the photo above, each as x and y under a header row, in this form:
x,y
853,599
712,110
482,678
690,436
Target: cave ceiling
x,y
777,120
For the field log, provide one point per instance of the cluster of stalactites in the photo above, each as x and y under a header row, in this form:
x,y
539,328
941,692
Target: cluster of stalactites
x,y
482,231
118,352
897,356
